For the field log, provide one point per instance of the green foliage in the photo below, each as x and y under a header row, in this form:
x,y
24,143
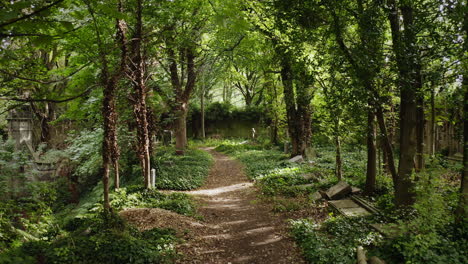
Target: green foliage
x,y
269,168
135,196
175,172
99,239
335,241
428,235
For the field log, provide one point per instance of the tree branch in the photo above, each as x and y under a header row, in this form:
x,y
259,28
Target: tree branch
x,y
35,12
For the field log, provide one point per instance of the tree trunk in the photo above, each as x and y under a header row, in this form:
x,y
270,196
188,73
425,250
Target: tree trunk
x,y
371,154
406,52
387,144
432,125
338,159
462,210
110,150
420,131
181,129
202,110
287,79
105,184
137,73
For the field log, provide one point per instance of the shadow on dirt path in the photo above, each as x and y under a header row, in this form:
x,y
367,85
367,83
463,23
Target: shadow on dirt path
x,y
239,229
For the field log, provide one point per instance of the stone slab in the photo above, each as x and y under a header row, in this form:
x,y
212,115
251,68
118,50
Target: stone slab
x,y
338,191
356,211
355,190
346,203
316,196
298,158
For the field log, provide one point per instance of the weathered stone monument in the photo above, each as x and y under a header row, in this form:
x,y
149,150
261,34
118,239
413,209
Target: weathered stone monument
x,y
20,126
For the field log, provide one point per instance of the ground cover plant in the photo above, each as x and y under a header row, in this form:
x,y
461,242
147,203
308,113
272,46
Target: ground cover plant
x,y
96,95
35,230
96,239
186,172
426,233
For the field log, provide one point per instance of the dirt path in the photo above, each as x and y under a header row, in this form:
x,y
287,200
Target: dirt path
x,y
239,229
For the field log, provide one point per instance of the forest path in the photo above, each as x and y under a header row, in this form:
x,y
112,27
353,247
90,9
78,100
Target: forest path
x,y
239,228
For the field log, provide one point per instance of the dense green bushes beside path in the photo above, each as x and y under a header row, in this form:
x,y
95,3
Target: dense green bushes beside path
x,y
427,232
79,234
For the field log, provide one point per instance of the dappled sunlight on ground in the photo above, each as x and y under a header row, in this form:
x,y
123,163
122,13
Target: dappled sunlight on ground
x,y
223,189
239,228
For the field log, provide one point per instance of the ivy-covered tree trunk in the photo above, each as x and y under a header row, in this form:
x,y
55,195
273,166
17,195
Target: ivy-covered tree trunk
x,y
138,97
110,149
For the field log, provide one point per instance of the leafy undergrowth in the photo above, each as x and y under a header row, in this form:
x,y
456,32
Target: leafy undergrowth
x,y
139,197
335,240
181,172
51,240
424,234
272,172
96,239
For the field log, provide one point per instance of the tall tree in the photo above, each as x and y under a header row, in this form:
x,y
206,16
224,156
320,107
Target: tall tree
x,y
136,72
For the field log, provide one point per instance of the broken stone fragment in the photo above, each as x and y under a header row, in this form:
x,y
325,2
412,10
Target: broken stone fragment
x,y
309,177
297,159
355,190
338,191
375,260
304,186
316,196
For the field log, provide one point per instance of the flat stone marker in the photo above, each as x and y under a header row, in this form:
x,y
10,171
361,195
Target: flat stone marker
x,y
304,186
316,196
338,191
355,190
298,158
309,177
349,208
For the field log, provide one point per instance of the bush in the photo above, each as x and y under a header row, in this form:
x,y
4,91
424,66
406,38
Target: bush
x,y
335,241
99,239
180,203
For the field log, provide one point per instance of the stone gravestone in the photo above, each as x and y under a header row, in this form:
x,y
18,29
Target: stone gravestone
x,y
167,137
20,126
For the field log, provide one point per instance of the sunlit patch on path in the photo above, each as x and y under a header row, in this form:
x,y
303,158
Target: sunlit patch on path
x,y
223,189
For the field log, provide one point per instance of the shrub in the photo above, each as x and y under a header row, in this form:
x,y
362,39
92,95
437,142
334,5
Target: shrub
x,y
99,239
335,241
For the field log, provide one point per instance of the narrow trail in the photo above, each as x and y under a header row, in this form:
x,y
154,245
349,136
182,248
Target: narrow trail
x,y
239,228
